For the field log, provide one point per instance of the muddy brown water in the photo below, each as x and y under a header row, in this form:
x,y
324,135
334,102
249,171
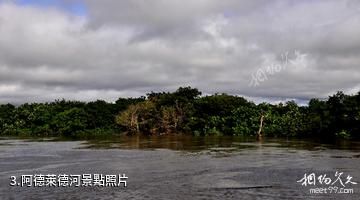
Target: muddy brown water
x,y
181,167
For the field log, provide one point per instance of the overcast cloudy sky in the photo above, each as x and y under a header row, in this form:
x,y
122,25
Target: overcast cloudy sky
x,y
263,49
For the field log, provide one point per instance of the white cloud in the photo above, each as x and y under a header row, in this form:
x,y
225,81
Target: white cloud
x,y
132,47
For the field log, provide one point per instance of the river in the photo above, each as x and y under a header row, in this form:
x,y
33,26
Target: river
x,y
183,167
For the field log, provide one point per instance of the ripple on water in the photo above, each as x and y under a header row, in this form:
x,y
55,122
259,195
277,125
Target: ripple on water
x,y
177,167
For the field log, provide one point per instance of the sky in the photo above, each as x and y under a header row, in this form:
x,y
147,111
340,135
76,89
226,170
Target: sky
x,y
265,50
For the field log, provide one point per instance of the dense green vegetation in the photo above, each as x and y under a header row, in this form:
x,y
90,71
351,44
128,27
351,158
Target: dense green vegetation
x,y
185,111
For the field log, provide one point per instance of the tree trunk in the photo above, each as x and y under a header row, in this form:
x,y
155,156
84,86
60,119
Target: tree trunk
x,y
260,131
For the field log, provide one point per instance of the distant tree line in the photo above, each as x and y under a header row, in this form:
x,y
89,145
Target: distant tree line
x,y
185,111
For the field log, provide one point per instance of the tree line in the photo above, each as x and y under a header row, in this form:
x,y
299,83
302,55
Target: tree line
x,y
185,111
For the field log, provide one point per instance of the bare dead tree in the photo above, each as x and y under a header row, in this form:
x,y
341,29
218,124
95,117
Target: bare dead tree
x,y
261,126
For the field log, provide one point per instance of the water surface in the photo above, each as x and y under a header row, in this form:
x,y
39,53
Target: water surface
x,y
179,167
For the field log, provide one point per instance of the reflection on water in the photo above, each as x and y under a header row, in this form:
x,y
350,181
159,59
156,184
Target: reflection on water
x,y
179,167
190,143
186,143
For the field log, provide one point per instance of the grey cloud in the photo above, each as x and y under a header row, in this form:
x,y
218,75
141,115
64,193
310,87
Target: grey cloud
x,y
128,48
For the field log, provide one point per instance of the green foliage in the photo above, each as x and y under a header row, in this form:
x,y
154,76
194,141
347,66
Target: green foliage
x,y
7,119
246,120
70,121
185,111
343,134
